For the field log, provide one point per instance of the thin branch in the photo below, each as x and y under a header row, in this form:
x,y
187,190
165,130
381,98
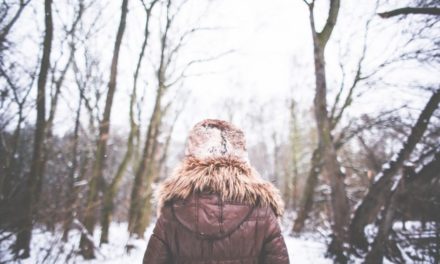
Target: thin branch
x,y
357,78
193,62
341,89
150,7
5,31
309,4
350,131
178,9
181,42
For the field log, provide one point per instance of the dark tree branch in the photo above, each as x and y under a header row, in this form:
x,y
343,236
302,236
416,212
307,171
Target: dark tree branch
x,y
326,32
379,193
5,31
433,11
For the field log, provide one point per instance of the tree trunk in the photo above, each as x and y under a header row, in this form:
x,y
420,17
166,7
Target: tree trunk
x,y
407,185
110,194
25,223
378,249
161,164
72,193
140,206
379,192
54,101
144,174
86,245
307,197
331,169
291,172
111,191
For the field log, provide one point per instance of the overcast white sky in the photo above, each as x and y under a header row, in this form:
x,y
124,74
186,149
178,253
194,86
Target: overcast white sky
x,y
271,62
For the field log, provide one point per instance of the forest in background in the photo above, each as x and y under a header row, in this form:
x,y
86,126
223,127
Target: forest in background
x,y
96,100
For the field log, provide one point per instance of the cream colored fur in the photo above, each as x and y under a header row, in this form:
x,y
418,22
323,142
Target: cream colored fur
x,y
233,179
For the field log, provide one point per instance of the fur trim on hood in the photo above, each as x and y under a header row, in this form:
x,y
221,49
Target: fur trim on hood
x,y
232,178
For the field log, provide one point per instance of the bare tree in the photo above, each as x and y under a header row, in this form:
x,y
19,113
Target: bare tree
x,y
22,244
379,193
75,181
111,190
339,107
422,44
331,168
20,97
167,76
72,194
57,83
138,214
86,245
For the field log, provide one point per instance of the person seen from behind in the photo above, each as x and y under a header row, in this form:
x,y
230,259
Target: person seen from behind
x,y
216,208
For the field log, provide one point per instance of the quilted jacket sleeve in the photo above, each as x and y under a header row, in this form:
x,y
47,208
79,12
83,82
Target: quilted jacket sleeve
x,y
274,248
157,250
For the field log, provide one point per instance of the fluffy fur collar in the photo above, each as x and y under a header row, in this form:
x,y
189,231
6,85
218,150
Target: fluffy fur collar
x,y
233,179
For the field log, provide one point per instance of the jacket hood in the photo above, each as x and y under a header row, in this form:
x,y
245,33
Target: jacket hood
x,y
208,217
234,181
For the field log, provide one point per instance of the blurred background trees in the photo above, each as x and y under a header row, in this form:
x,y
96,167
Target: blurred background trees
x,y
96,98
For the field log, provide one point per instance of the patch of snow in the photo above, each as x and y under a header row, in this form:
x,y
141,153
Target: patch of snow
x,y
302,250
408,164
47,247
80,183
343,169
396,182
377,177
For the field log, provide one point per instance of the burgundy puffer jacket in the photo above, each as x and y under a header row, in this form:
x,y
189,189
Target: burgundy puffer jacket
x,y
229,217
202,229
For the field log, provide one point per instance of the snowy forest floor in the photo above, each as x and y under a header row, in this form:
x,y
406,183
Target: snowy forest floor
x,y
47,247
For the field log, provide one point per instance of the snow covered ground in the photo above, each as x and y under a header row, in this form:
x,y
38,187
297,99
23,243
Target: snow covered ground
x,y
48,248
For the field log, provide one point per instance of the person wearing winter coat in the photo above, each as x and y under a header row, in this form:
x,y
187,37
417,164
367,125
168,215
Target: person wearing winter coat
x,y
216,208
